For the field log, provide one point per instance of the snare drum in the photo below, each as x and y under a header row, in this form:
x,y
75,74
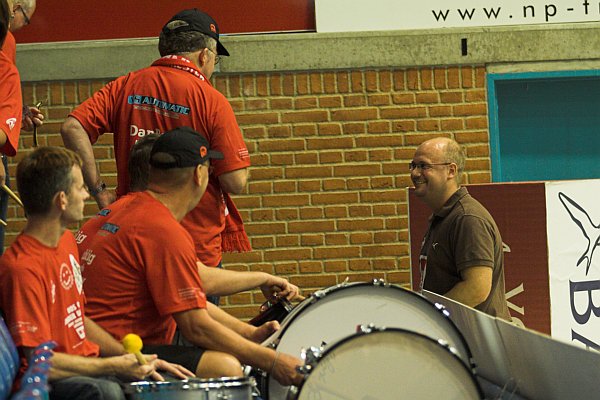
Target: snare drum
x,y
334,313
388,364
193,389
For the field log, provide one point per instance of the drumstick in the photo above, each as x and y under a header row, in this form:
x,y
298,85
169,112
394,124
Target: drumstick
x,y
12,194
133,344
3,222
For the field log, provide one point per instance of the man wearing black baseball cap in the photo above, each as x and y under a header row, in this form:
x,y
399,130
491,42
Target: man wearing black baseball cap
x,y
175,91
141,273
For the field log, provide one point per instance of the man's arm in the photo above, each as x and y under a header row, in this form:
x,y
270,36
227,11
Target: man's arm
x,y
474,288
198,327
221,282
75,138
109,346
234,181
126,366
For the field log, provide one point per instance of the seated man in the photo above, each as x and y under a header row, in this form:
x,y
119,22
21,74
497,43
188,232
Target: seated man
x,y
41,289
141,264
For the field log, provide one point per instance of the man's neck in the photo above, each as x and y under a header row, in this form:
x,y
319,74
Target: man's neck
x,y
47,230
444,199
176,202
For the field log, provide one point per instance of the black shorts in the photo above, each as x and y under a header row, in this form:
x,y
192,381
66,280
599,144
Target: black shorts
x,y
189,357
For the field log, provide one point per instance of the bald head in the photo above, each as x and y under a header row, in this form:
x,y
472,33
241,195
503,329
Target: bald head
x,y
22,13
445,150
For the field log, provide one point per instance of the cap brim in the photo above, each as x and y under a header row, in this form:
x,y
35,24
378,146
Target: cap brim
x,y
221,50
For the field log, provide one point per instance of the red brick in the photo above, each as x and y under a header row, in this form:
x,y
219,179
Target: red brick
x,y
288,85
439,78
286,214
329,143
335,266
337,252
310,267
361,238
426,78
267,173
304,130
359,114
355,101
471,137
275,85
284,187
311,226
451,97
358,183
264,229
287,254
404,126
312,240
477,123
286,268
427,98
334,184
363,224
285,200
330,101
343,82
371,80
412,79
309,186
257,118
359,265
302,84
281,159
336,212
378,127
305,102
360,211
329,129
329,82
305,116
334,198
281,145
262,242
316,82
311,213
357,81
379,99
287,241
314,281
306,158
404,112
470,109
466,74
451,124
308,172
280,104
475,96
339,239
399,80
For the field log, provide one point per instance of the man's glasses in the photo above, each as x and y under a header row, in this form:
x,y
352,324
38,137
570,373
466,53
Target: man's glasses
x,y
423,166
217,57
25,16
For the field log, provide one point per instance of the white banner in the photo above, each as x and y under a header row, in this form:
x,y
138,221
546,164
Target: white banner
x,y
377,15
573,221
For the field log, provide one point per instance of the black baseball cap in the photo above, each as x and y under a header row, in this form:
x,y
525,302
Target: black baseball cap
x,y
186,146
198,21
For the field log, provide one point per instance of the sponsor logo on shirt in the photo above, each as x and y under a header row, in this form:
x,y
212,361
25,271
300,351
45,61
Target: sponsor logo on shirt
x,y
111,228
243,153
189,293
138,99
74,319
76,273
134,130
66,277
80,237
88,257
53,291
104,212
11,122
23,327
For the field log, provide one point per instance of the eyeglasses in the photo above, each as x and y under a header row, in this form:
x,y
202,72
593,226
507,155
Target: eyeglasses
x,y
25,17
217,57
423,166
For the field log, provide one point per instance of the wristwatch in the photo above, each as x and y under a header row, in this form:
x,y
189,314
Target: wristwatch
x,y
99,188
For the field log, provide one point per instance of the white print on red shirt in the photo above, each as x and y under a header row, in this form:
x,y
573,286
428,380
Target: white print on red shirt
x,y
11,123
66,276
189,293
76,273
243,153
74,319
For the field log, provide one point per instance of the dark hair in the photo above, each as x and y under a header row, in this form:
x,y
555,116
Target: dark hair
x,y
139,163
5,14
184,42
42,174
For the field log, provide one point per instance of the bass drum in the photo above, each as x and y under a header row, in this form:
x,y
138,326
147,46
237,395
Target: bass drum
x,y
389,364
334,313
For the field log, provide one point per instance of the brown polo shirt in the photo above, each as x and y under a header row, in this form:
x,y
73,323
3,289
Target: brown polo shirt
x,y
461,235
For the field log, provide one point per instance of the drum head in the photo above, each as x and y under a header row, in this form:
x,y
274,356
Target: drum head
x,y
390,364
336,312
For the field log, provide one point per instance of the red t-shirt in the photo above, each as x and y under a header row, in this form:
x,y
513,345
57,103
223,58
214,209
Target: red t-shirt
x,y
11,104
139,268
166,95
41,293
10,47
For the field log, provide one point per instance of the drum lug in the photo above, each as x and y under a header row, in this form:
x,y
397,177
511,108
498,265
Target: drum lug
x,y
379,282
368,328
310,357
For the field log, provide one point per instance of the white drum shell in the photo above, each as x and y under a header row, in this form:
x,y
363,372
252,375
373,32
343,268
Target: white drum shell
x,y
390,364
335,313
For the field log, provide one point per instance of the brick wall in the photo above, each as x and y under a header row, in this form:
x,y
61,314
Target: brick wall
x,y
327,193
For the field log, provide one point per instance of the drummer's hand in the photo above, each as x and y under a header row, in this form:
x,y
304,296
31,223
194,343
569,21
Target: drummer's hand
x,y
174,369
260,333
284,370
128,368
281,287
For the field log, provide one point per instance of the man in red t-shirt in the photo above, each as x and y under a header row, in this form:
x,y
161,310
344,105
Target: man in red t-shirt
x,y
41,288
13,115
174,91
146,259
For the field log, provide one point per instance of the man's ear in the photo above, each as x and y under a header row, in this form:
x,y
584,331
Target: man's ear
x,y
60,200
452,171
198,176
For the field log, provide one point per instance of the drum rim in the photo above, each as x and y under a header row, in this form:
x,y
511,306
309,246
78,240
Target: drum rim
x,y
471,371
310,301
201,383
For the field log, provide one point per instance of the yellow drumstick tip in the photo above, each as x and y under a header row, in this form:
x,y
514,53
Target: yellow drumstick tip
x,y
133,344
